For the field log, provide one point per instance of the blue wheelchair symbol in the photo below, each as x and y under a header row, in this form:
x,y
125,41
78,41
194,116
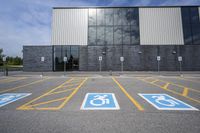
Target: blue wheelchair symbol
x,y
166,102
100,101
7,98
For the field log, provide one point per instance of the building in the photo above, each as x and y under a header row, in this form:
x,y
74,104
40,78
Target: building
x,y
137,34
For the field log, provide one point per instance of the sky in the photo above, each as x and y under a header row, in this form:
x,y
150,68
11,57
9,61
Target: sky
x,y
28,22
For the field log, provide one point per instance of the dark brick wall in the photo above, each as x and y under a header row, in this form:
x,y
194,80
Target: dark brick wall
x,y
136,58
32,58
140,57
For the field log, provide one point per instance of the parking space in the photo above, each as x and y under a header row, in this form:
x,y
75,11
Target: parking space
x,y
100,104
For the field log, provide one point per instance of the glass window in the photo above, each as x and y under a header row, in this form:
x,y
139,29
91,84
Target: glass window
x,y
135,38
185,12
108,16
194,15
134,16
100,35
92,16
100,17
72,54
187,31
126,35
117,35
191,25
109,35
124,16
92,35
196,34
117,16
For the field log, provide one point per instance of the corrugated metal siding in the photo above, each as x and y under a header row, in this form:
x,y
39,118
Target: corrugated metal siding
x,y
160,26
69,27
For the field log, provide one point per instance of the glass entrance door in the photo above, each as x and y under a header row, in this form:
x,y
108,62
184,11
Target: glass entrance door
x,y
72,54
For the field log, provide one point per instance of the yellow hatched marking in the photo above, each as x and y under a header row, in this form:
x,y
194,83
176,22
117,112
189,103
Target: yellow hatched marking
x,y
180,94
166,85
29,106
128,95
181,86
185,92
47,102
154,81
34,82
57,92
73,93
69,85
45,94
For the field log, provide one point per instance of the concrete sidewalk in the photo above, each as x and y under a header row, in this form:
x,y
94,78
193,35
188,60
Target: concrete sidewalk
x,y
106,73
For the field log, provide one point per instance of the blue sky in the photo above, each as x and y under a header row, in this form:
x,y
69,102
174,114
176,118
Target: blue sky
x,y
28,22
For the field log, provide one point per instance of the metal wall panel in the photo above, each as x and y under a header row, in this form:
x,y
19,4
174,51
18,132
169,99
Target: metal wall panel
x,y
69,27
161,26
199,13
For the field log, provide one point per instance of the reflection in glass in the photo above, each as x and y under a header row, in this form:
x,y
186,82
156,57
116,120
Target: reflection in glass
x,y
92,16
191,25
100,35
108,16
100,17
126,35
109,35
117,16
72,54
124,30
92,35
135,39
117,35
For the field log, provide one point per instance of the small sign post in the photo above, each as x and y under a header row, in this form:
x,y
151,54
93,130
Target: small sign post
x,y
42,60
122,63
158,60
100,60
5,67
180,63
65,61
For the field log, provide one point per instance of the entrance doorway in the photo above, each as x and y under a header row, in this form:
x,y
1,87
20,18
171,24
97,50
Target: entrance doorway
x,y
72,54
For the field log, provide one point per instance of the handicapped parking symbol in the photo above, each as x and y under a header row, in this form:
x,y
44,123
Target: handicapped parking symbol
x,y
5,99
165,102
100,101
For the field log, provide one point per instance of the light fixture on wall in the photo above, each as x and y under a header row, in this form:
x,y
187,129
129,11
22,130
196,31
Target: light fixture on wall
x,y
139,52
103,52
173,52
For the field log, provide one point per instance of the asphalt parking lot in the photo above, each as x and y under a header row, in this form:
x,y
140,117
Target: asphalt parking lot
x,y
57,104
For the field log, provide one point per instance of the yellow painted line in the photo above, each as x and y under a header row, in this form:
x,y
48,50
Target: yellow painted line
x,y
185,92
180,86
69,85
166,85
195,100
21,107
155,81
195,81
128,95
57,92
50,101
34,82
73,93
12,79
28,108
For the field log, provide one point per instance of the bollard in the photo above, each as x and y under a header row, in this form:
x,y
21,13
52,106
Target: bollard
x,y
6,71
110,72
